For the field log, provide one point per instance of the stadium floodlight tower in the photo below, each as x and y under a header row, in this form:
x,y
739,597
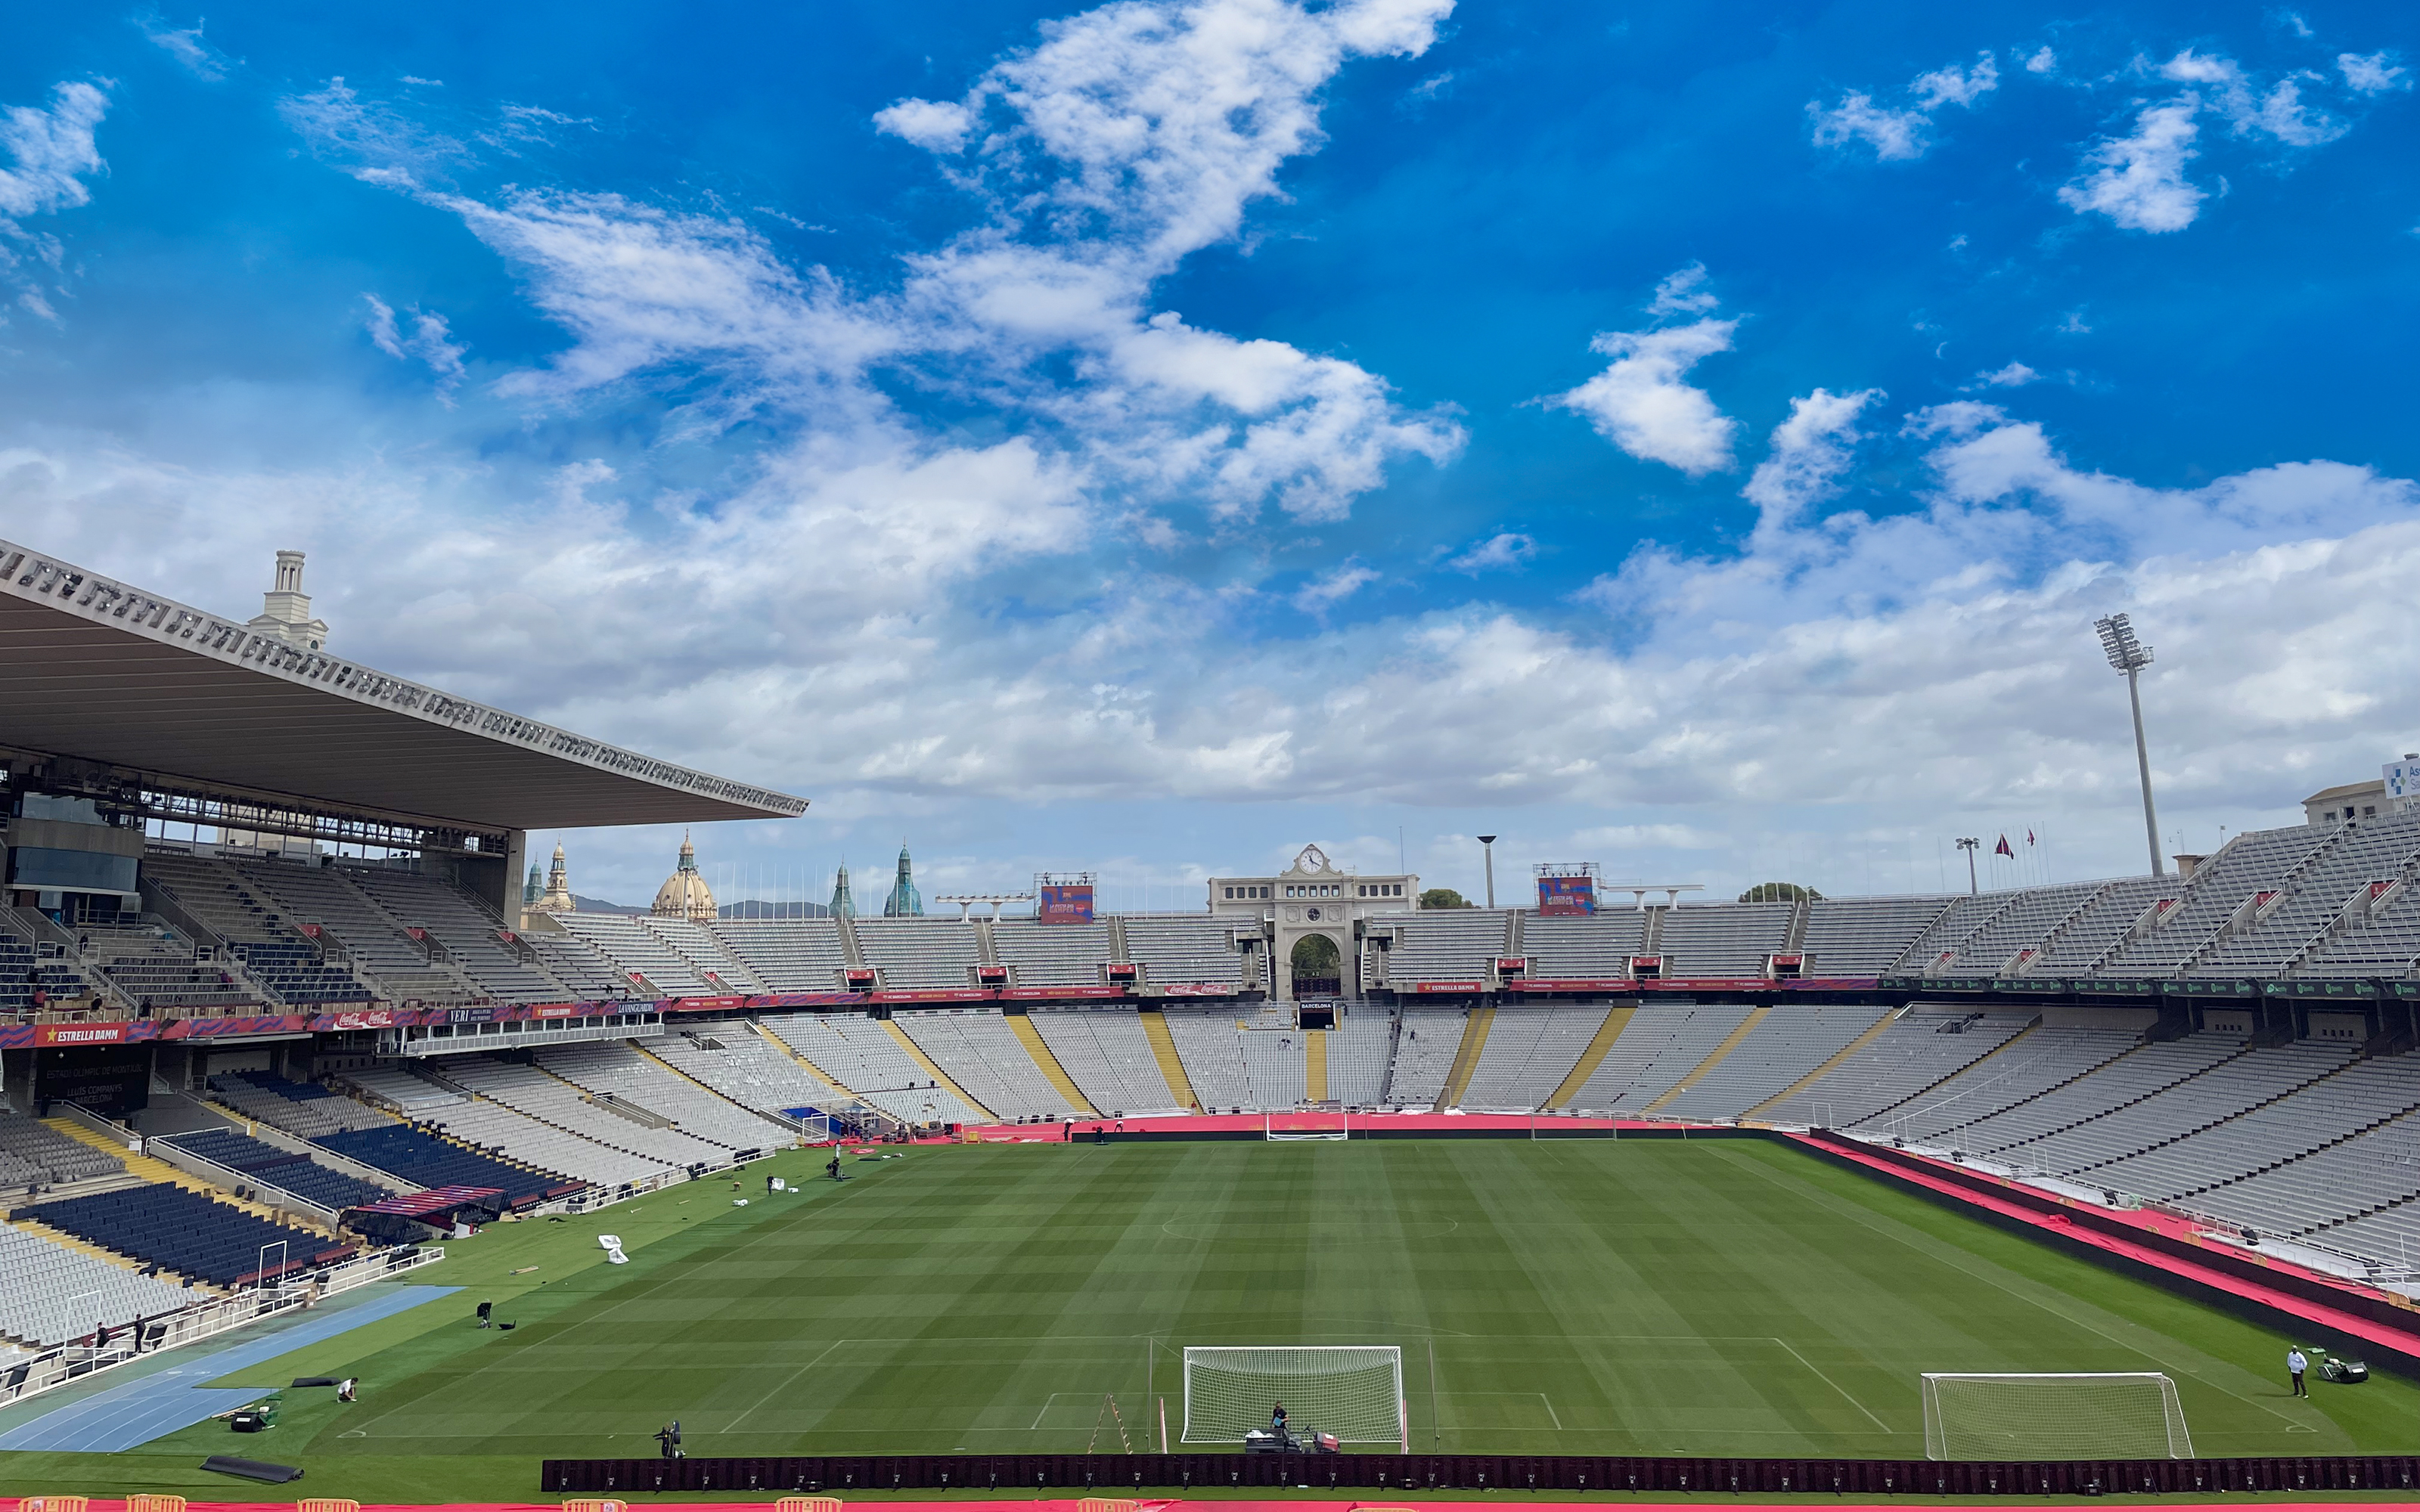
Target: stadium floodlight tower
x,y
2130,656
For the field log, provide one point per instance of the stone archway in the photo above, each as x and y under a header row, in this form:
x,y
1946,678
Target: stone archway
x,y
1315,966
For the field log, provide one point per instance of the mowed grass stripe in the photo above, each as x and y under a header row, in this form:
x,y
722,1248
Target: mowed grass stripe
x,y
1607,1297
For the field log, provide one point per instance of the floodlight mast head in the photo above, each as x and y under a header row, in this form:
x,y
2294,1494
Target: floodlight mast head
x,y
2129,656
2117,643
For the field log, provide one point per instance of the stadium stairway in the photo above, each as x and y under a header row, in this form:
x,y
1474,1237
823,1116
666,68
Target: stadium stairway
x,y
1314,1065
1171,1066
1055,1073
1616,1020
1747,1026
916,1054
1826,1069
1465,1060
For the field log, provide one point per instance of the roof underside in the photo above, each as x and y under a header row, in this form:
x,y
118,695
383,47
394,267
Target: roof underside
x,y
95,669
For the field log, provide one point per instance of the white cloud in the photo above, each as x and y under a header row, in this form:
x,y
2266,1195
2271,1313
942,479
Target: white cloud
x,y
52,152
1497,554
2014,376
1684,293
2279,113
1332,588
429,341
2139,180
1809,452
1640,404
187,47
1902,135
2043,61
1132,136
2372,74
934,126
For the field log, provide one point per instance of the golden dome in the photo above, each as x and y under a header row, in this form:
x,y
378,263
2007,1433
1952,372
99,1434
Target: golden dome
x,y
685,894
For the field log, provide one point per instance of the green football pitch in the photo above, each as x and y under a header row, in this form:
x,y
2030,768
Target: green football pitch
x,y
1719,1296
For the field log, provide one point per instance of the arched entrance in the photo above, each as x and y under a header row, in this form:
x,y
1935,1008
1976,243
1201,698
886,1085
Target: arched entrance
x,y
1316,967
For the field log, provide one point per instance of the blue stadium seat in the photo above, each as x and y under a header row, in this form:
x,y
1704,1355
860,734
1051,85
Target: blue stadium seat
x,y
414,1156
186,1232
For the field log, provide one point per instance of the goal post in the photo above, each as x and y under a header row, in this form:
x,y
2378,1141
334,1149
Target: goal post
x,y
2124,1414
1274,1133
1353,1391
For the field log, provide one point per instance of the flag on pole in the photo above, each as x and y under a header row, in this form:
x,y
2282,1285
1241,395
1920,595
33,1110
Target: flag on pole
x,y
2029,836
2003,849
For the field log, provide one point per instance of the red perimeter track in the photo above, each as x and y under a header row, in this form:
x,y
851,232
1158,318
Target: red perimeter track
x,y
1358,1123
2387,1323
1306,1504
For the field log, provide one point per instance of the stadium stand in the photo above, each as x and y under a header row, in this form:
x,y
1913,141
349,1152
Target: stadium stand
x,y
1361,1049
2043,1059
2136,1075
1443,945
27,968
1424,1053
1183,948
2020,924
51,1294
859,1055
1921,1049
1723,939
1528,1052
402,1091
1210,1046
638,1081
2378,850
296,1108
1052,955
739,1063
2253,863
918,952
2223,1090
2101,923
323,896
1578,946
158,969
184,1232
706,954
1275,1065
1104,1050
285,963
977,1050
1783,1047
1950,928
471,935
791,955
583,970
31,1152
639,952
1862,937
279,1169
1661,1044
576,1133
2358,1097
418,1159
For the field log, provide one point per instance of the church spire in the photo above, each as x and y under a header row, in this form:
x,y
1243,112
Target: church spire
x,y
905,900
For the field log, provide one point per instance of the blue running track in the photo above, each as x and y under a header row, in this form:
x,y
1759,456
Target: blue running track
x,y
146,1407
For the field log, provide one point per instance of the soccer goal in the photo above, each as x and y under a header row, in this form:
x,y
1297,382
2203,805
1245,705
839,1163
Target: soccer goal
x,y
1353,1391
1273,1131
2077,1415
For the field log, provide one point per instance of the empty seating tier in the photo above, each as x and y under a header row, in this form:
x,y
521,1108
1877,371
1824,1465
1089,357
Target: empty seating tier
x,y
51,1294
186,1232
282,1170
296,1108
1110,1061
1528,1052
859,1054
417,1159
1787,1045
33,1152
983,1055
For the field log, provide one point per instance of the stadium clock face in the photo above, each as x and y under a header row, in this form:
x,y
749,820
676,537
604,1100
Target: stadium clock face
x,y
1314,915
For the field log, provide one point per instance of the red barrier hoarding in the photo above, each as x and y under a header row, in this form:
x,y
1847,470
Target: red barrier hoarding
x,y
1064,902
1564,897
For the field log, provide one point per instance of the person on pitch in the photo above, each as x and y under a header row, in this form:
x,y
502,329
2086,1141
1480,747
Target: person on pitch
x,y
669,1436
2296,1362
834,1169
1277,1420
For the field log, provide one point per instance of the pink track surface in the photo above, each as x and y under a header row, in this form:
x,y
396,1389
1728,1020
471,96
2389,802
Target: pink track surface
x,y
1300,1122
1306,1504
1957,1181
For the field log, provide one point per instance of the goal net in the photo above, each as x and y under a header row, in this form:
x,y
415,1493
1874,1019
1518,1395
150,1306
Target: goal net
x,y
1353,1391
2080,1415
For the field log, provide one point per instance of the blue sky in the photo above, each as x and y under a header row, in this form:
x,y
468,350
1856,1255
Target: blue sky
x,y
1148,437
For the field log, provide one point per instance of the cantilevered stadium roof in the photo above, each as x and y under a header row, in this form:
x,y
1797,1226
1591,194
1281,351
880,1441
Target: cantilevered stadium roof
x,y
103,673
